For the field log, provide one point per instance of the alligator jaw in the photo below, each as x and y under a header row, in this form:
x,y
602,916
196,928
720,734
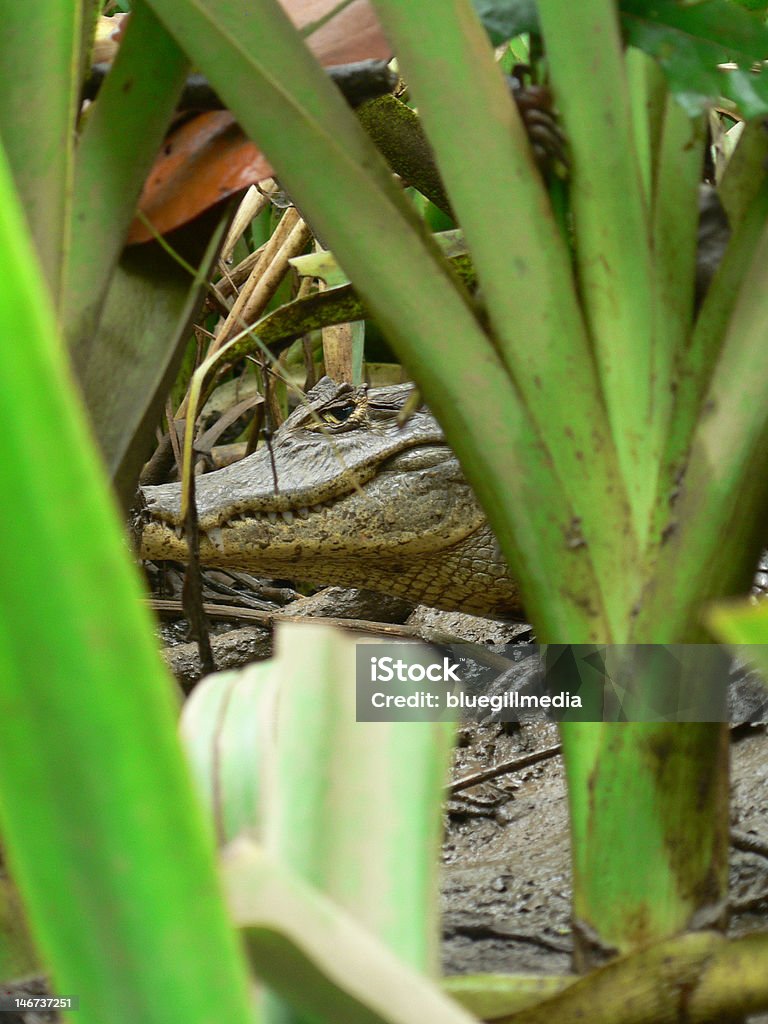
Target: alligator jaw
x,y
364,502
389,512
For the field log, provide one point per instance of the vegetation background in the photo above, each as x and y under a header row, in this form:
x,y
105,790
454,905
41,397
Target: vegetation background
x,y
615,437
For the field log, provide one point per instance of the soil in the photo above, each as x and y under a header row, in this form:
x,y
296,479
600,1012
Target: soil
x,y
506,889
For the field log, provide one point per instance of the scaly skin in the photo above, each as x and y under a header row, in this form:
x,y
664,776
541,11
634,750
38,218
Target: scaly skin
x,y
348,497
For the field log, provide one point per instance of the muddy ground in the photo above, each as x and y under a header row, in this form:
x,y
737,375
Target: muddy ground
x,y
506,890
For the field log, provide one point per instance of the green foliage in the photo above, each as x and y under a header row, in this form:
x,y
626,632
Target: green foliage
x,y
319,959
505,19
617,446
114,155
690,40
95,800
42,160
278,755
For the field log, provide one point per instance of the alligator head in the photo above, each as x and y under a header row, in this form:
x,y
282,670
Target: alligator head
x,y
346,495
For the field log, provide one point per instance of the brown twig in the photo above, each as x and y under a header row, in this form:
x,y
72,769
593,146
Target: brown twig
x,y
503,769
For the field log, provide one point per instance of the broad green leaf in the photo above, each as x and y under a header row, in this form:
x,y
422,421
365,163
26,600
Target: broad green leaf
x,y
716,519
317,957
120,139
374,804
690,40
646,856
523,268
39,61
699,360
225,725
675,226
757,6
101,828
745,173
126,371
353,807
505,19
612,238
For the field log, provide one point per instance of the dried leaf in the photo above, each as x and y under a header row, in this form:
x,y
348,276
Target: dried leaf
x,y
209,158
203,161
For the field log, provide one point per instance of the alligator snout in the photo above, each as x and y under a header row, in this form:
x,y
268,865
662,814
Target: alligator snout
x,y
161,502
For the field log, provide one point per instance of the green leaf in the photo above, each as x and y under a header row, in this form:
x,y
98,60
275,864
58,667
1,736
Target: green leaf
x,y
758,6
634,823
322,808
278,753
527,283
318,958
505,19
126,371
39,59
690,40
226,731
490,996
101,828
121,136
612,238
711,545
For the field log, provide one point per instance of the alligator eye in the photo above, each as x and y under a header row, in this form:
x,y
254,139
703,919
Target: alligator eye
x,y
338,413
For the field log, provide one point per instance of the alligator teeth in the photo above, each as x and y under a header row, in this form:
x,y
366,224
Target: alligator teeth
x,y
272,517
288,516
303,512
216,538
179,530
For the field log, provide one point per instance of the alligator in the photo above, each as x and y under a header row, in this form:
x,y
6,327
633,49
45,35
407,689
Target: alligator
x,y
350,495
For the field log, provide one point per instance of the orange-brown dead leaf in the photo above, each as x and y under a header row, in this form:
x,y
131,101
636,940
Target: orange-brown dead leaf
x,y
208,158
203,161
